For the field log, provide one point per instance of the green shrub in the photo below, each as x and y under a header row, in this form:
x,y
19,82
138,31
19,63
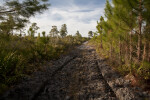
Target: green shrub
x,y
11,65
144,70
123,69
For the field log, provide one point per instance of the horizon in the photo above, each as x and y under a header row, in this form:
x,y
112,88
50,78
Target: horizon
x,y
77,15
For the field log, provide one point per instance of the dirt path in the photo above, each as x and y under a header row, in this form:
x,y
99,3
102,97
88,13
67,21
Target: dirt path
x,y
74,77
80,79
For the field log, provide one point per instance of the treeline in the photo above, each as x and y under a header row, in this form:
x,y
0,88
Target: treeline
x,y
124,36
22,53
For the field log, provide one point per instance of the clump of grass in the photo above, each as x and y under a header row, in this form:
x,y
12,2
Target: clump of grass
x,y
124,69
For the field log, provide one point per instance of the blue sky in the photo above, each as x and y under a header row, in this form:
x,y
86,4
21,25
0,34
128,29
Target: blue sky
x,y
77,14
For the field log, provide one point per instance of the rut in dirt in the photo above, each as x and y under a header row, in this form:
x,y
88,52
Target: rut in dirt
x,y
80,79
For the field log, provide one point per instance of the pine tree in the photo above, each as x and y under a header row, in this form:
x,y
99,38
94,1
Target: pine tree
x,y
124,23
90,34
146,14
107,26
126,34
78,34
63,31
44,33
33,30
7,26
20,11
138,9
100,29
54,31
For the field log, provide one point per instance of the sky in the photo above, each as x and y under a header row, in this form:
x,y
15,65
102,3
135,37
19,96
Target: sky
x,y
79,15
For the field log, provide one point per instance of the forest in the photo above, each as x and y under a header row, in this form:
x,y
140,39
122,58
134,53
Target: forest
x,y
123,37
23,53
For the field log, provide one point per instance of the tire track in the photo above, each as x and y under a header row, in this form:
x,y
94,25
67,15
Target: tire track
x,y
53,75
80,79
32,87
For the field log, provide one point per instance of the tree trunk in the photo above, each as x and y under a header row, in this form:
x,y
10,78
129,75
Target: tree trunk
x,y
139,46
127,50
149,52
145,51
131,47
140,31
110,50
101,42
126,53
119,51
130,53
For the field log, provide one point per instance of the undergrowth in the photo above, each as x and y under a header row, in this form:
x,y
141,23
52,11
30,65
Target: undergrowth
x,y
18,55
141,70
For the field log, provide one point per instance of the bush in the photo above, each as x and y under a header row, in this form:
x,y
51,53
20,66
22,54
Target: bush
x,y
11,66
144,70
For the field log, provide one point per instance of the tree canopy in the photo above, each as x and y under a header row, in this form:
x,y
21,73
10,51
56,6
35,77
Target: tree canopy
x,y
16,13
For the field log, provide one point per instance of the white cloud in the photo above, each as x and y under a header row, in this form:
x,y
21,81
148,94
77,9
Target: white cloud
x,y
75,18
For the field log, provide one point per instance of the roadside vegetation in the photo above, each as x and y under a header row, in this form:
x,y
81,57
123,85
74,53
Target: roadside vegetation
x,y
123,37
22,53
